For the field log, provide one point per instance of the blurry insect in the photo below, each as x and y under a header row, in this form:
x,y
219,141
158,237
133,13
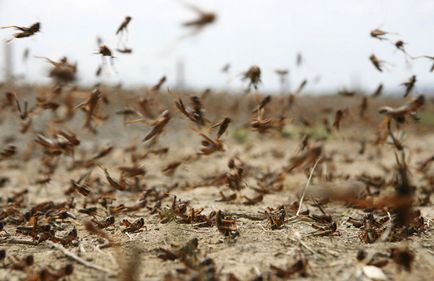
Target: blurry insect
x,y
209,145
98,71
124,50
90,107
324,230
82,188
21,264
301,87
62,70
347,93
197,25
399,114
8,152
50,274
105,52
226,68
104,223
261,124
118,185
338,118
299,59
306,158
204,18
24,31
159,125
376,62
196,115
409,85
170,168
263,103
300,267
160,83
380,34
123,27
253,74
400,46
253,201
363,107
182,253
26,54
226,225
134,226
378,91
404,258
68,238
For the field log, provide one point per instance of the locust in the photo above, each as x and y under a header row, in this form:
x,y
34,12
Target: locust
x,y
253,75
409,85
378,64
24,31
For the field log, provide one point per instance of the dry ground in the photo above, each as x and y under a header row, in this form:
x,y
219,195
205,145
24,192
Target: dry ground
x,y
258,246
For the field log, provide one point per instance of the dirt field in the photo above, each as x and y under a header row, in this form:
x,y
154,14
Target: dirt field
x,y
257,229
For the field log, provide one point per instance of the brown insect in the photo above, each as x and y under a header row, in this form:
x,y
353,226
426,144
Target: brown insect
x,y
123,27
21,264
62,71
403,257
105,222
226,198
204,18
324,230
210,145
195,115
379,34
227,226
50,274
160,83
378,91
8,152
276,218
24,31
253,75
90,107
159,125
339,115
134,226
399,114
376,62
124,50
300,267
105,52
182,253
300,87
266,100
306,158
400,46
253,201
363,107
170,168
409,85
121,184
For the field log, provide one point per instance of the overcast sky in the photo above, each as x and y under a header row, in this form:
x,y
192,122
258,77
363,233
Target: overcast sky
x,y
332,35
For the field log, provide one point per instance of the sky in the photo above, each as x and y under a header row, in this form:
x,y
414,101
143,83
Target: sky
x,y
332,36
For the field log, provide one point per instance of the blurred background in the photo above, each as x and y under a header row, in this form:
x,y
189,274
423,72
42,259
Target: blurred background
x,y
332,37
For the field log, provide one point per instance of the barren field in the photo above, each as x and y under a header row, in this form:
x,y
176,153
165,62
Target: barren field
x,y
172,207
